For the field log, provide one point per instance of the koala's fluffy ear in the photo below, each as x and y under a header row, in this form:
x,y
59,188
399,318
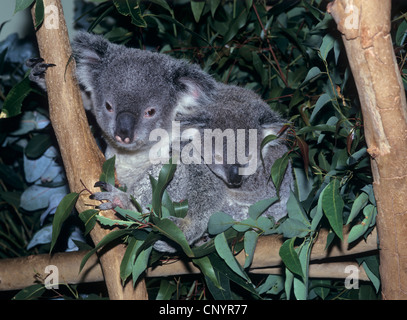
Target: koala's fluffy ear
x,y
89,51
194,88
271,124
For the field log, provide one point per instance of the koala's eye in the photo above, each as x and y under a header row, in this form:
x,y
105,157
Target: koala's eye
x,y
108,107
148,113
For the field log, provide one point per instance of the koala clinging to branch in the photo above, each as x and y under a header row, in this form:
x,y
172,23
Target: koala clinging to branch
x,y
132,92
228,180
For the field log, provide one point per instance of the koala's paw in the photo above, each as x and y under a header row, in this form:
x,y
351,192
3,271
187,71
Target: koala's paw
x,y
163,246
38,70
113,196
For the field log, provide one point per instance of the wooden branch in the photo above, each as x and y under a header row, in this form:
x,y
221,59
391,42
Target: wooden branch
x,y
19,273
81,156
365,28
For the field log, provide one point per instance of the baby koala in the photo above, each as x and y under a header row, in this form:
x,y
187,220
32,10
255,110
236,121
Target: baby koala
x,y
225,171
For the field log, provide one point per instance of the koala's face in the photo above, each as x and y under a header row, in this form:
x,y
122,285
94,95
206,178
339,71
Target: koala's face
x,y
132,105
134,91
233,134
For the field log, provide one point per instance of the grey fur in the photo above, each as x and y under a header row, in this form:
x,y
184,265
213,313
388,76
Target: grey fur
x,y
210,188
133,92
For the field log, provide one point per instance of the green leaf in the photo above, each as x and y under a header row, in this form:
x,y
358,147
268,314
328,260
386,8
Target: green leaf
x,y
131,215
332,204
197,9
22,4
322,100
131,8
371,266
14,100
301,285
290,257
326,46
235,26
359,230
294,228
126,266
278,170
273,285
207,270
223,292
164,178
359,203
313,73
250,241
112,223
88,217
321,287
260,207
166,290
243,226
141,263
223,269
111,236
222,248
62,213
108,171
318,215
219,222
180,208
38,145
295,210
31,292
163,4
39,13
214,6
168,228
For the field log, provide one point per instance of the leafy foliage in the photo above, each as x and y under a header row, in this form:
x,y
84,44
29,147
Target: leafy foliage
x,y
288,52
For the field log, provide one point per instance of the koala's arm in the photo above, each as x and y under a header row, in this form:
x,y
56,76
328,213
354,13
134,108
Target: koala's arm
x,y
205,196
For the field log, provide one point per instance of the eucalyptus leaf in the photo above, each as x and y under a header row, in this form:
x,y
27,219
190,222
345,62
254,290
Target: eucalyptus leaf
x,y
278,171
219,222
290,257
111,236
260,207
14,100
168,228
88,218
197,8
108,171
30,293
226,254
250,241
63,211
131,8
332,204
359,203
22,4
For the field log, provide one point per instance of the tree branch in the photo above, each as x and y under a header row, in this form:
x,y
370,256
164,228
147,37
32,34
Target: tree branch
x,y
19,273
81,156
365,28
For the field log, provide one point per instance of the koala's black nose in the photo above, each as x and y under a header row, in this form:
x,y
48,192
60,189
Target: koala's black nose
x,y
235,179
125,125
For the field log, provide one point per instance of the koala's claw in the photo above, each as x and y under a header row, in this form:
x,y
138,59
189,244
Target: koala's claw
x,y
104,185
38,70
113,196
